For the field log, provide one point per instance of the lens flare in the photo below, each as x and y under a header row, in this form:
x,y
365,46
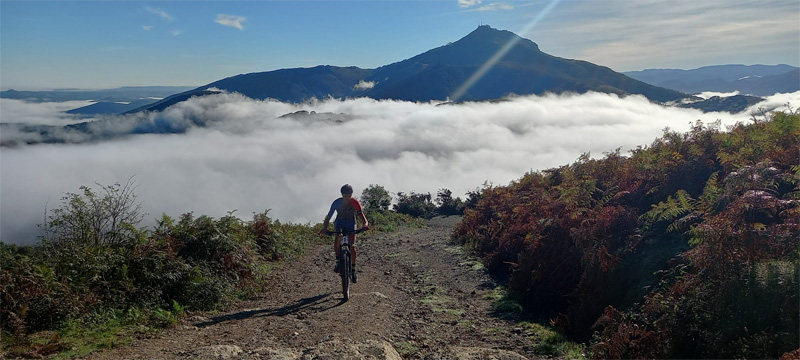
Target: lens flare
x,y
500,53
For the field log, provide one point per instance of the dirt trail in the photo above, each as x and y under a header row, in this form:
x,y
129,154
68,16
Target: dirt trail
x,y
417,297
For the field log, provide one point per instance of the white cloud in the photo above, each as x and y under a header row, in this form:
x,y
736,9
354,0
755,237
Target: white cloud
x,y
499,6
710,94
364,85
44,113
160,13
230,20
176,32
147,27
246,157
671,34
468,3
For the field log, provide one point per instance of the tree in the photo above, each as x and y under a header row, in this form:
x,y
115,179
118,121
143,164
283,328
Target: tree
x,y
376,197
447,205
415,204
90,218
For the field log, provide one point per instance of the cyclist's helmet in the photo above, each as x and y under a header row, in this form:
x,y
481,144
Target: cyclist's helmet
x,y
347,189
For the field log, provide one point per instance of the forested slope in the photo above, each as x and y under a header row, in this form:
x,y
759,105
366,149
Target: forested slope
x,y
687,248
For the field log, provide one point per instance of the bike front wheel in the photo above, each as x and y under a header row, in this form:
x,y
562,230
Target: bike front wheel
x,y
344,272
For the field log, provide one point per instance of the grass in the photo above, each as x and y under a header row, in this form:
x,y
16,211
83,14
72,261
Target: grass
x,y
469,261
435,299
438,304
405,348
547,341
454,312
492,330
390,221
474,265
80,337
504,302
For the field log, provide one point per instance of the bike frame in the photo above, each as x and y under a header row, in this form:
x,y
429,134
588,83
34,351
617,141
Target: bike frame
x,y
345,265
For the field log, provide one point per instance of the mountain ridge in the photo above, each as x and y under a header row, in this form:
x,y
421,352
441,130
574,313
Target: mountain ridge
x,y
760,80
437,73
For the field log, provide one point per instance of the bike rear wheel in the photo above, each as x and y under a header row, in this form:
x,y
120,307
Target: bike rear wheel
x,y
344,272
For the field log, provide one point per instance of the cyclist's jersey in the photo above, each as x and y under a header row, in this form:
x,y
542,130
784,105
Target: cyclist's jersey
x,y
345,210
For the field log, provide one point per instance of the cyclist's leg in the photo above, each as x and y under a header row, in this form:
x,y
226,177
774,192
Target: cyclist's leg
x,y
336,244
351,239
349,226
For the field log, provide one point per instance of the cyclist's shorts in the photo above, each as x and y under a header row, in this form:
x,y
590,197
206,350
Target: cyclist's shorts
x,y
346,225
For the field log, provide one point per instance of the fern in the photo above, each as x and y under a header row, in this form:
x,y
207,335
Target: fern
x,y
711,196
673,208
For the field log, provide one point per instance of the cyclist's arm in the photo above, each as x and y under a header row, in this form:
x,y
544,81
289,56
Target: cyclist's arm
x,y
360,213
327,220
325,223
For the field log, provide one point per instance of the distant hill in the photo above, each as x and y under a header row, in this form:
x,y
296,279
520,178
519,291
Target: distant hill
x,y
437,74
123,94
759,80
112,107
732,104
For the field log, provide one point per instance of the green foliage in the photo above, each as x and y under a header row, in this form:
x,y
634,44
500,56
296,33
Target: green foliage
x,y
424,206
391,221
674,208
415,204
95,277
168,317
95,264
447,205
92,219
376,198
571,240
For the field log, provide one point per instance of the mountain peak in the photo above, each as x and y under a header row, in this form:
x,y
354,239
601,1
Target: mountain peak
x,y
486,34
477,47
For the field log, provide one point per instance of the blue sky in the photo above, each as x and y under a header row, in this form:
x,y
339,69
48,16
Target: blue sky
x,y
106,44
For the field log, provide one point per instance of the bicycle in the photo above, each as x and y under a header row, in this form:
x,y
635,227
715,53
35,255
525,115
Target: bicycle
x,y
345,265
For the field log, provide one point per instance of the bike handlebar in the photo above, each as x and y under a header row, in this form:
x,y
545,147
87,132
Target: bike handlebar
x,y
343,232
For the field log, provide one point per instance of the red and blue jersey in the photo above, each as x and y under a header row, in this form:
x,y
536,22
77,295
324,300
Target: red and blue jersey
x,y
345,210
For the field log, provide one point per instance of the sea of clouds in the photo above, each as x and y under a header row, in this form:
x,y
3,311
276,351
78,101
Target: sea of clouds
x,y
236,153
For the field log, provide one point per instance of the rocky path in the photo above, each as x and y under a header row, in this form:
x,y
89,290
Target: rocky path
x,y
418,297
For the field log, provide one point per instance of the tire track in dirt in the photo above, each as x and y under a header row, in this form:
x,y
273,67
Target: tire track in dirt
x,y
415,291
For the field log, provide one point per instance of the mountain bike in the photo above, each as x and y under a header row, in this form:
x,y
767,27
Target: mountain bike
x,y
345,265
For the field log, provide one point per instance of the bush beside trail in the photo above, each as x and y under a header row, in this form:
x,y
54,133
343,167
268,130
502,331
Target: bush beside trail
x,y
687,248
135,276
94,269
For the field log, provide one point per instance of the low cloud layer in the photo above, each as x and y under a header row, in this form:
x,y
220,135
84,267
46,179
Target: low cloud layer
x,y
41,113
248,157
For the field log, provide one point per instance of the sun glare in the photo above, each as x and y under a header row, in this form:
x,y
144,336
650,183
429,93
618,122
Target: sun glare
x,y
502,52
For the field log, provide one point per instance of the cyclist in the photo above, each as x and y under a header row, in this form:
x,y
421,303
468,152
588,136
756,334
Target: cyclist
x,y
347,208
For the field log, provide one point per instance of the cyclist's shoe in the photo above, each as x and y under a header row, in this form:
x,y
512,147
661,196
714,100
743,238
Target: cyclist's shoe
x,y
355,274
336,267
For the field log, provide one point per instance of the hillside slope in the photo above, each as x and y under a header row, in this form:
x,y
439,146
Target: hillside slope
x,y
684,249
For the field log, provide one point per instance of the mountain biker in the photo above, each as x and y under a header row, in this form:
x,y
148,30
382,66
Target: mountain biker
x,y
347,209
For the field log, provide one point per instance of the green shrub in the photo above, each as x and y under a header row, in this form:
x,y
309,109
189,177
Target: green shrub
x,y
376,198
389,221
415,204
447,205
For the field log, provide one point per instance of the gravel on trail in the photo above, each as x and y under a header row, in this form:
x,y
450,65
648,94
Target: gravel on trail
x,y
418,297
